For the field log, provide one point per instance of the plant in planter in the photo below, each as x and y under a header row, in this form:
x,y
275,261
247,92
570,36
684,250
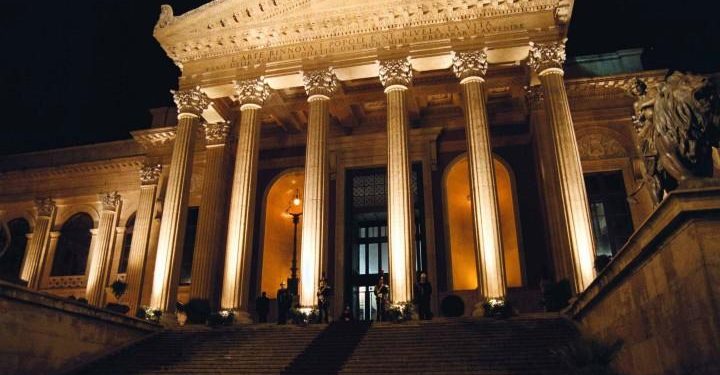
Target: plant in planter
x,y
221,318
497,308
400,312
303,316
118,289
198,311
152,315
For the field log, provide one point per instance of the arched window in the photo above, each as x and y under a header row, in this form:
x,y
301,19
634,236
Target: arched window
x,y
127,241
73,246
12,249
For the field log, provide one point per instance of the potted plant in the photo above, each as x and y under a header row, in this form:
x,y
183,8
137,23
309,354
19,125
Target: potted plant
x,y
118,289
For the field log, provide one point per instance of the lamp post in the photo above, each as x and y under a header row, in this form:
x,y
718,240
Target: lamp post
x,y
294,210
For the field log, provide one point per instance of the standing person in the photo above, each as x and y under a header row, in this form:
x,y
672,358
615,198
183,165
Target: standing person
x,y
262,307
423,291
382,298
284,300
323,295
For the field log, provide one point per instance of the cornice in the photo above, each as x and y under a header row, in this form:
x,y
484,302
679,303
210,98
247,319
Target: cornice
x,y
102,166
225,27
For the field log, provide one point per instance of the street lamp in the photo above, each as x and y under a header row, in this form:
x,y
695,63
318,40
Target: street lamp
x,y
294,210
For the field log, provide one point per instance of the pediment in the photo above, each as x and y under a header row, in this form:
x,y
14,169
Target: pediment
x,y
224,27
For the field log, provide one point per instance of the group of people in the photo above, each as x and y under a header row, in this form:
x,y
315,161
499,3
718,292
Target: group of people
x,y
423,293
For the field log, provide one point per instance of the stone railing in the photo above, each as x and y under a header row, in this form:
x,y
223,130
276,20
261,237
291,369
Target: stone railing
x,y
67,282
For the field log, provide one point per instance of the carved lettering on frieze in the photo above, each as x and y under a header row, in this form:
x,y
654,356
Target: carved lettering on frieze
x,y
396,72
216,134
150,173
110,200
252,91
192,101
320,82
544,56
44,206
470,64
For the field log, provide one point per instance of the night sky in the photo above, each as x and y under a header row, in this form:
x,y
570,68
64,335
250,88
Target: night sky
x,y
76,72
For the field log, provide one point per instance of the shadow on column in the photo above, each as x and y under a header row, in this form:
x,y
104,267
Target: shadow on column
x,y
329,351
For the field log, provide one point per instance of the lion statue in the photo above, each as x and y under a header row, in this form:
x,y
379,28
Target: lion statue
x,y
678,125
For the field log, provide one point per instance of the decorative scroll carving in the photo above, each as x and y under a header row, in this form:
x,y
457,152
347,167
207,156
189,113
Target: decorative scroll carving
x,y
192,101
320,82
166,16
544,56
216,134
44,206
110,201
396,72
678,124
252,91
470,64
150,173
600,146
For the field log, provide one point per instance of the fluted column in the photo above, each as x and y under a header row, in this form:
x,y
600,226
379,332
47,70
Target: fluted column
x,y
238,254
319,86
190,103
396,77
212,207
37,249
137,261
101,258
546,60
470,68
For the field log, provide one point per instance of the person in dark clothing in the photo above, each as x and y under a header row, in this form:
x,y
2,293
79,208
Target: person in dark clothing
x,y
284,300
262,306
382,298
323,295
423,291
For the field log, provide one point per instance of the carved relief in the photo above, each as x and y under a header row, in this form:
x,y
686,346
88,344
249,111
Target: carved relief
x,y
545,56
252,91
597,146
563,11
470,64
110,201
166,16
150,173
320,82
44,206
216,134
396,72
192,101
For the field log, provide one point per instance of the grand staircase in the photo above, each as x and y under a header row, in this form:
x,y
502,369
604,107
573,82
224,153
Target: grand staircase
x,y
442,346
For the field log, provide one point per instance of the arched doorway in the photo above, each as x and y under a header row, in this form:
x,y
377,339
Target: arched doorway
x,y
73,246
278,228
459,226
12,249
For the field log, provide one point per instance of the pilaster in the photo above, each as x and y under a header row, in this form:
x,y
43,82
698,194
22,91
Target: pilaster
x,y
101,253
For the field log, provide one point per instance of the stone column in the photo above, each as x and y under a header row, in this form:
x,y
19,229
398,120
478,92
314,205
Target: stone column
x,y
37,249
210,219
319,86
101,258
137,260
396,77
546,60
190,103
470,68
238,255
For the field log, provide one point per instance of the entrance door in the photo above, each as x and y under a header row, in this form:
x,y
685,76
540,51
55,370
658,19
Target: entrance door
x,y
370,260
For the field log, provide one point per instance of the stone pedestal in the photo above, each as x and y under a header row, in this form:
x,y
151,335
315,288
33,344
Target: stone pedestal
x,y
190,104
396,76
470,68
547,60
100,258
210,220
236,279
36,256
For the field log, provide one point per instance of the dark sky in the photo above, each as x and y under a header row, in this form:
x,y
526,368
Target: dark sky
x,y
75,72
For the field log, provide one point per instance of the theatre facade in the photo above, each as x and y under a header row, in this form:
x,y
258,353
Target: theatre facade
x,y
345,140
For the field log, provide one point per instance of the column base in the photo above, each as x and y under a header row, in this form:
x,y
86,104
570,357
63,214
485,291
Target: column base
x,y
242,317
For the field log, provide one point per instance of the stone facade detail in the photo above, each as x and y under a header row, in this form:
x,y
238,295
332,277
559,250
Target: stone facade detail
x,y
150,173
470,64
396,72
252,91
192,101
110,200
216,134
320,82
544,56
600,146
45,206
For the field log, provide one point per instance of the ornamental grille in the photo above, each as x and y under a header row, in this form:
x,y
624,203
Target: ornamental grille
x,y
370,189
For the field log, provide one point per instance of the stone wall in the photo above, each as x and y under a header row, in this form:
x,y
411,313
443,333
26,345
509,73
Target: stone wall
x,y
661,293
42,333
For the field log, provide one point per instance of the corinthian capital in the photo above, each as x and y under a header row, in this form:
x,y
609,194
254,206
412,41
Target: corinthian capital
x,y
110,201
396,72
192,101
150,173
216,134
544,56
320,82
44,206
252,91
470,64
